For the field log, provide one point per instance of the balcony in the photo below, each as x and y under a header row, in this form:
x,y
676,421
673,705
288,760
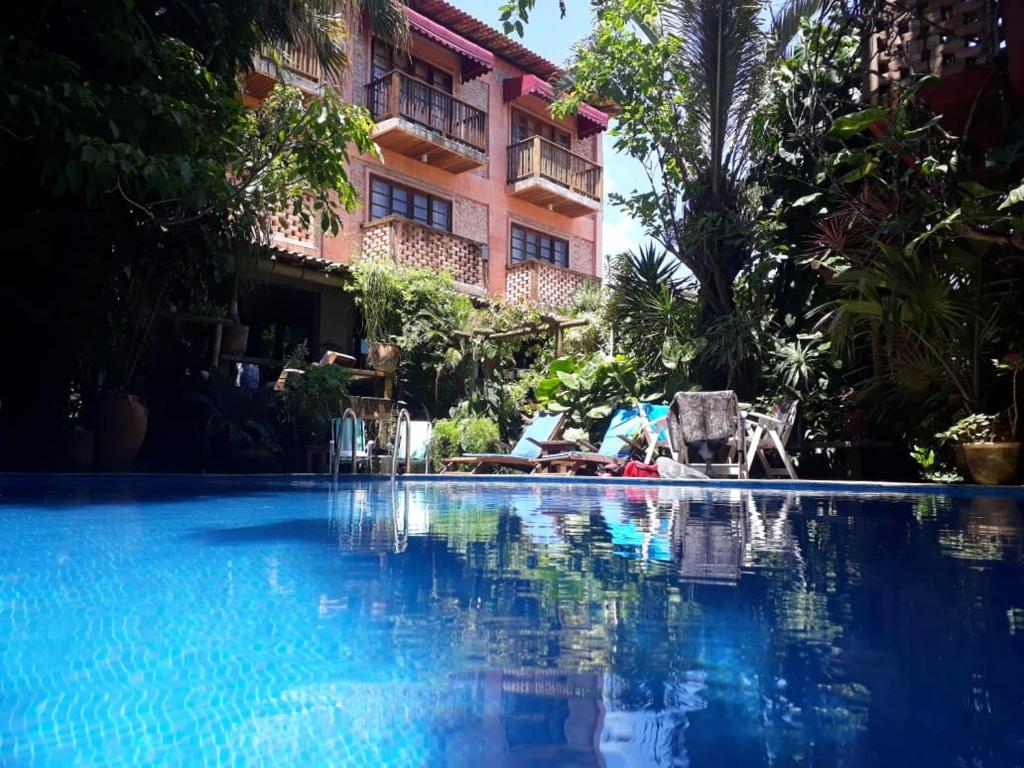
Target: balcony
x,y
418,120
300,67
543,283
415,245
288,234
547,174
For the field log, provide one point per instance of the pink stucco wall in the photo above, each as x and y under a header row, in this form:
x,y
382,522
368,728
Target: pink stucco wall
x,y
482,210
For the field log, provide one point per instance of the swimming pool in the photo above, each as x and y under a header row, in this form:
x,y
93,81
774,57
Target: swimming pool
x,y
200,621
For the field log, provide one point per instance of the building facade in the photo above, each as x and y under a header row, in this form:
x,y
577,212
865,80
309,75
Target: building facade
x,y
474,175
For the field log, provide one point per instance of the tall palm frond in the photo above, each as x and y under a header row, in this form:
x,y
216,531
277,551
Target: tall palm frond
x,y
724,53
785,24
323,25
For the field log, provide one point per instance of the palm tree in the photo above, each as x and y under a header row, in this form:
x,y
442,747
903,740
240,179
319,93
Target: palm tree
x,y
693,133
323,24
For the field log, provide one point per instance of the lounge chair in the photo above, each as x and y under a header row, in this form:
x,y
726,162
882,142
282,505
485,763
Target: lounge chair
x,y
541,431
419,443
342,443
770,432
620,440
704,426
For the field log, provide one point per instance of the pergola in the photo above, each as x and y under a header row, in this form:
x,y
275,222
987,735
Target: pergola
x,y
547,324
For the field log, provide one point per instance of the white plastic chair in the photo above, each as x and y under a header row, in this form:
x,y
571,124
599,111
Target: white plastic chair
x,y
771,432
734,437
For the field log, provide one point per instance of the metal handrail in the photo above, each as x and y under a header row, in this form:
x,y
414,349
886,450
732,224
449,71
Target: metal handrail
x,y
403,415
336,449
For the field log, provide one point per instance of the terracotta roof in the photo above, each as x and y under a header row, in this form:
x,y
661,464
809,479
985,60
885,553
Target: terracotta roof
x,y
487,37
306,261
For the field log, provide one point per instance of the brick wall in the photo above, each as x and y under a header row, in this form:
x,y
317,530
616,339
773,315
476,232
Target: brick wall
x,y
581,255
544,283
415,245
287,232
941,37
586,147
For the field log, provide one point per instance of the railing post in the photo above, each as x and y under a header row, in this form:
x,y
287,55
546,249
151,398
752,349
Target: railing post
x,y
536,156
396,84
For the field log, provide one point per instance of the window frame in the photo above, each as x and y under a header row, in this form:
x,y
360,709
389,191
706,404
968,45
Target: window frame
x,y
534,240
408,67
515,113
411,194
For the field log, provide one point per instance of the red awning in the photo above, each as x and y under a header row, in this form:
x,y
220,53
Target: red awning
x,y
475,60
589,120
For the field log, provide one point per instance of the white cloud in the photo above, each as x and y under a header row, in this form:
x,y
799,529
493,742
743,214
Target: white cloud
x,y
620,234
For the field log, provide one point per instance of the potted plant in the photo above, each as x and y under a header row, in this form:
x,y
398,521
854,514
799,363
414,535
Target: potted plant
x,y
379,297
309,403
982,447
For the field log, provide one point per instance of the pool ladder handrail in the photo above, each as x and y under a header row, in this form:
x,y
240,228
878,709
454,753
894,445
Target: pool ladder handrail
x,y
403,416
336,447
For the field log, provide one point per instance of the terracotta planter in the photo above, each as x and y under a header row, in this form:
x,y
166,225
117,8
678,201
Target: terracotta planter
x,y
383,357
121,422
993,463
234,339
960,457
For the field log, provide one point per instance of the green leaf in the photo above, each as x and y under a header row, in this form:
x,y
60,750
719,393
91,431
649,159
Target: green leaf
x,y
570,380
858,173
599,412
975,189
1015,196
851,125
807,199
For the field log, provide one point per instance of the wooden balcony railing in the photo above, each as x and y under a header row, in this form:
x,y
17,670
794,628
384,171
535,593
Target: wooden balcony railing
x,y
537,157
396,94
302,58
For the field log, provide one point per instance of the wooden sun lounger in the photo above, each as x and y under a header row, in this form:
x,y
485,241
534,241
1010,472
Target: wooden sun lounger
x,y
573,462
480,465
522,456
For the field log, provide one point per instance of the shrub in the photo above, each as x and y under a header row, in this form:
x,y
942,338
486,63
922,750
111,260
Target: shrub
x,y
311,400
976,428
455,437
589,389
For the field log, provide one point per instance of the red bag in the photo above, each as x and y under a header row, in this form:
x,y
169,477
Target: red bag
x,y
639,469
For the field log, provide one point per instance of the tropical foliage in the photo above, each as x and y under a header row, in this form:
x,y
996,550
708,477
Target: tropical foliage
x,y
457,437
120,122
589,389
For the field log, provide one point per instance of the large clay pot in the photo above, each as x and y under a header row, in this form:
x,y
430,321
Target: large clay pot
x,y
121,422
383,357
234,339
993,463
960,459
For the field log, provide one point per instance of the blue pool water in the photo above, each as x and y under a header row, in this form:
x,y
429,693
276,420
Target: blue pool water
x,y
192,622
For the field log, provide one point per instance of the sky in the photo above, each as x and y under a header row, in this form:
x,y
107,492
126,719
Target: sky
x,y
552,37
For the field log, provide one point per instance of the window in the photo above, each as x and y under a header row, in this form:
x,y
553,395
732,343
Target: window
x,y
525,126
390,199
530,245
383,60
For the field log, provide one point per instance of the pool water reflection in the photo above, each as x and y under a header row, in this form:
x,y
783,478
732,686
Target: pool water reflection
x,y
185,622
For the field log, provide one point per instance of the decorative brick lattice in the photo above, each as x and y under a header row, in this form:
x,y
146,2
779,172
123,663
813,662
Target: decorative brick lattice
x,y
543,283
287,233
941,37
414,245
